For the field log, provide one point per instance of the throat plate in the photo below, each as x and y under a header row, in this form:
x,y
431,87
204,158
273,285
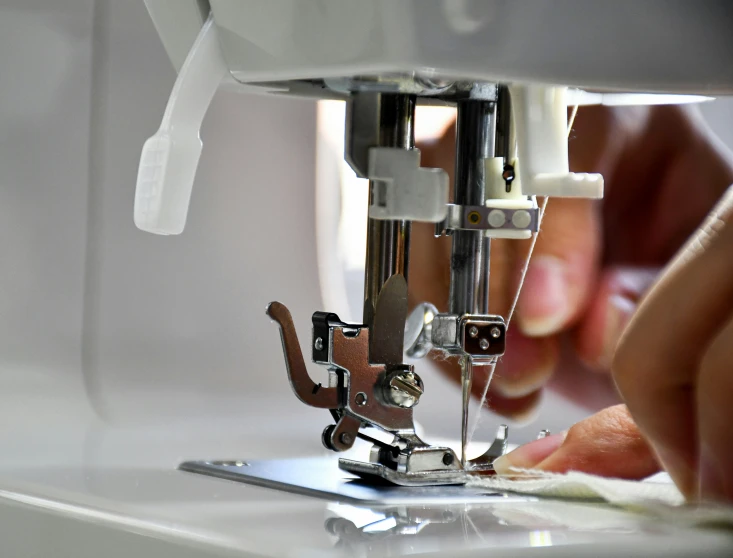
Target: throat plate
x,y
320,477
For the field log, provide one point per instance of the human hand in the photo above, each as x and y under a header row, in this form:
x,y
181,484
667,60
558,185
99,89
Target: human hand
x,y
673,368
592,261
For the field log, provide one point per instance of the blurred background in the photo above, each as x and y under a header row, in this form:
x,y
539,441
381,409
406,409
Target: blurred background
x,y
103,324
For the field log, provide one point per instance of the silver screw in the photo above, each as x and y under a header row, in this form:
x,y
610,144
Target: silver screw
x,y
404,390
495,332
346,438
484,344
473,332
318,344
360,399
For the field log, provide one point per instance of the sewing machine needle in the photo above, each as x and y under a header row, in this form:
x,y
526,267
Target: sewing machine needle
x,y
466,380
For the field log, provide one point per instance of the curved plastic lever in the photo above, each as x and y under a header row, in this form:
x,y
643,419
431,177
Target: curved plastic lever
x,y
169,158
305,389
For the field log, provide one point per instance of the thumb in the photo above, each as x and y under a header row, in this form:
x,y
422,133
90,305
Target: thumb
x,y
608,444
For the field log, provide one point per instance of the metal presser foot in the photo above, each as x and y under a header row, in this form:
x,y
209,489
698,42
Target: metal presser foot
x,y
370,386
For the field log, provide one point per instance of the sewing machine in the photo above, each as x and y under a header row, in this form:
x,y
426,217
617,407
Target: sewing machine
x,y
511,147
175,363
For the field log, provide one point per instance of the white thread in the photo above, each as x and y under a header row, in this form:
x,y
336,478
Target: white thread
x,y
485,393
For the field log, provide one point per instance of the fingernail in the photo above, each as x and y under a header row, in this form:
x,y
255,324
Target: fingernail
x,y
544,303
528,455
515,389
521,386
713,485
618,313
526,368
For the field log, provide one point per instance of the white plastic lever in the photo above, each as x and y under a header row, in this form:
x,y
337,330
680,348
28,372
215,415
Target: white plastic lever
x,y
540,120
169,159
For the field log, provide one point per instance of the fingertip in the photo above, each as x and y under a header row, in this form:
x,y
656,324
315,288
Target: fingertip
x,y
599,334
607,444
528,455
562,268
610,310
526,367
544,303
521,410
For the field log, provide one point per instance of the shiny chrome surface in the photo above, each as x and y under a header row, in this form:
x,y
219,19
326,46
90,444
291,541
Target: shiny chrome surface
x,y
322,477
387,331
419,330
388,242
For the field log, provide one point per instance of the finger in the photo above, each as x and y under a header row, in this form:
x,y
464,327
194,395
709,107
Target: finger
x,y
526,367
562,268
600,135
430,256
608,443
614,300
429,271
519,409
528,363
656,362
441,152
714,395
668,149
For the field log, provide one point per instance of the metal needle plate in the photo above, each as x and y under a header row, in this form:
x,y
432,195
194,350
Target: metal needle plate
x,y
320,477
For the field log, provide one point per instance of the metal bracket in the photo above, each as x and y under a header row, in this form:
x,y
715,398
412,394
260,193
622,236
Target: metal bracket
x,y
381,395
482,337
404,189
489,218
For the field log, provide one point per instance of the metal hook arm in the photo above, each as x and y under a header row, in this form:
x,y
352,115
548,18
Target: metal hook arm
x,y
484,463
308,391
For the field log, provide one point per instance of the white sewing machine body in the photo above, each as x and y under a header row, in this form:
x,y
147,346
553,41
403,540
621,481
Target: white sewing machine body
x,y
123,354
658,46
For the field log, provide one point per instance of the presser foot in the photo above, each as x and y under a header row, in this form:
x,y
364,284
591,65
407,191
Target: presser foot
x,y
370,386
378,471
425,465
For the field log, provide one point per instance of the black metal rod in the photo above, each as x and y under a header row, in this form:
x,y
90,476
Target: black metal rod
x,y
475,136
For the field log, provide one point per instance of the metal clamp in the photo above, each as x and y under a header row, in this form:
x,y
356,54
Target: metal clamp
x,y
488,218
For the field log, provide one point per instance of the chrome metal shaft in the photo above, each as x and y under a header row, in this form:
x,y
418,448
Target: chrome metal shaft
x,y
388,242
466,385
469,280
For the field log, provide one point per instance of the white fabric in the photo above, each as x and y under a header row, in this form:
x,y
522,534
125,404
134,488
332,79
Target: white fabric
x,y
657,495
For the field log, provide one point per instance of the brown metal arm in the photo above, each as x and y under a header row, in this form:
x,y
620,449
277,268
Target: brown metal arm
x,y
308,391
